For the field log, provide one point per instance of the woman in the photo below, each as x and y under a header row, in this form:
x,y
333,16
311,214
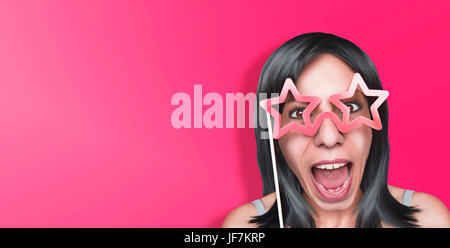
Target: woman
x,y
322,65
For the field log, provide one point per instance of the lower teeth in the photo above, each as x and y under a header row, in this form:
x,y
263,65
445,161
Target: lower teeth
x,y
330,190
338,188
335,189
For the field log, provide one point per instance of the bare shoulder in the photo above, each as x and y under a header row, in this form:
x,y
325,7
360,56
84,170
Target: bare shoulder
x,y
433,212
269,200
396,192
240,216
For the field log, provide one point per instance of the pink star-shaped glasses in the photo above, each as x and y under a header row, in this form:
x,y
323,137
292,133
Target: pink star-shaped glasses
x,y
310,129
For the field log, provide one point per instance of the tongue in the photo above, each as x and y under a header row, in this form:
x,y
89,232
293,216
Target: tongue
x,y
331,178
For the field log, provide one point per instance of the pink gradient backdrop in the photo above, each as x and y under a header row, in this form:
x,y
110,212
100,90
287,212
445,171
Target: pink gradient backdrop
x,y
85,90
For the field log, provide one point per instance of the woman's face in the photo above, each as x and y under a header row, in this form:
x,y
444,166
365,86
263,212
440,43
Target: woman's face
x,y
330,164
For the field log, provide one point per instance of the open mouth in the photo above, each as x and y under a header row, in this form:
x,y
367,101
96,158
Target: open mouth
x,y
332,180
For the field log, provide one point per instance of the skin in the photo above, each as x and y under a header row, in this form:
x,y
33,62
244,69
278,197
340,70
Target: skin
x,y
324,76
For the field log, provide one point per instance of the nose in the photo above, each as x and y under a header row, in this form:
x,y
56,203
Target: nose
x,y
328,135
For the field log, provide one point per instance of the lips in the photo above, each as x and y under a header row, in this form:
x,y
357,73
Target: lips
x,y
332,178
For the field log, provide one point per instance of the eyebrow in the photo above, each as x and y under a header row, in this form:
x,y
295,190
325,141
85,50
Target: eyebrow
x,y
355,96
291,98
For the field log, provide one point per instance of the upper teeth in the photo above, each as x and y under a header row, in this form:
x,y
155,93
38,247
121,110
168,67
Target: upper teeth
x,y
330,166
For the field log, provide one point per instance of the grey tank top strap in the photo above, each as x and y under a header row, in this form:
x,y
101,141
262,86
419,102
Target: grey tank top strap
x,y
259,206
407,195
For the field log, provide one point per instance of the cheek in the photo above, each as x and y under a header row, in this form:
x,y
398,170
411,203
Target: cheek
x,y
361,139
293,146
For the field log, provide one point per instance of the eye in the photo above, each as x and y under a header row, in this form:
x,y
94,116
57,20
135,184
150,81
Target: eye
x,y
296,113
352,107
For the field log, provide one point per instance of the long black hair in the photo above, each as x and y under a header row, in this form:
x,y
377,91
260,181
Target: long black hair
x,y
377,204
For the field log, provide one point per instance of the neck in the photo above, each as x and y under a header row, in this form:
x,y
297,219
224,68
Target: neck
x,y
335,218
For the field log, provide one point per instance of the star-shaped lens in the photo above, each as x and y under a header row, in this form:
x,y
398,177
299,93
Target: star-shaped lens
x,y
309,128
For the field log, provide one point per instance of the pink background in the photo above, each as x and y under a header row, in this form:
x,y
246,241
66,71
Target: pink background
x,y
85,89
